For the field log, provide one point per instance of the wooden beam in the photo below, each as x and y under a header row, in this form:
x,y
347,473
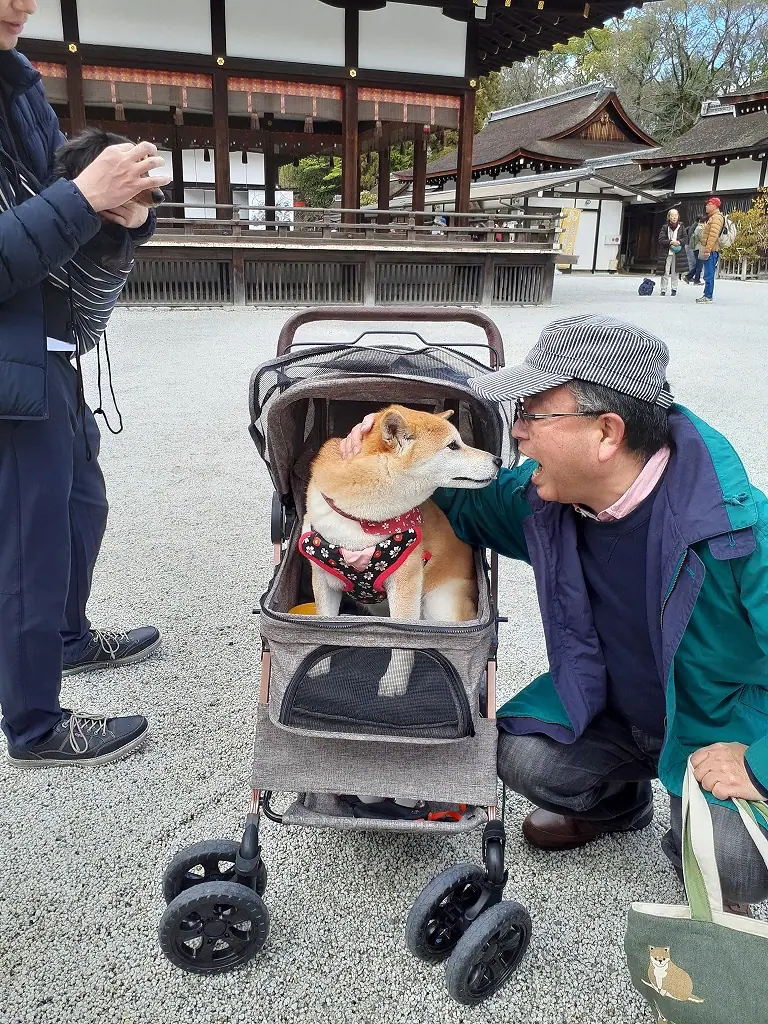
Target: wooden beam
x,y
221,140
69,21
419,173
351,37
218,27
350,161
466,138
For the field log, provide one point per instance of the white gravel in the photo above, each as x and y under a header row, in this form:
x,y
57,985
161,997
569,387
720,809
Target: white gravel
x,y
188,548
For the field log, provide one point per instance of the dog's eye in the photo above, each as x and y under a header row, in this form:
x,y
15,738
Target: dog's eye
x,y
454,446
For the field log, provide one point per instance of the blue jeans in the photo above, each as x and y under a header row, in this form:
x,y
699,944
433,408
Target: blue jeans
x,y
53,511
604,777
710,266
694,274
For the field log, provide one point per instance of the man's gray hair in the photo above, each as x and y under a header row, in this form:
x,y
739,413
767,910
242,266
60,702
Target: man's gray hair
x,y
646,424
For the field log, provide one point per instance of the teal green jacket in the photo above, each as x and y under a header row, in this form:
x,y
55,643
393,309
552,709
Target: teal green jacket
x,y
707,596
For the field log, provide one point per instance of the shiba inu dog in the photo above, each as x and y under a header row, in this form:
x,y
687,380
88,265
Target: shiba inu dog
x,y
74,156
371,531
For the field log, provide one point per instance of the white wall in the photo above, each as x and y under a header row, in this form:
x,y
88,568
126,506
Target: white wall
x,y
739,174
291,30
404,37
196,167
694,178
181,25
46,22
205,200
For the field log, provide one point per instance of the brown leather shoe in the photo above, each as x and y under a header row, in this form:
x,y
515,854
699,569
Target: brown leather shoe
x,y
740,909
548,831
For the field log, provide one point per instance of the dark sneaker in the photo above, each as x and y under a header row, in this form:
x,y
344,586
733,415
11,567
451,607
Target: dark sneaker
x,y
115,647
84,739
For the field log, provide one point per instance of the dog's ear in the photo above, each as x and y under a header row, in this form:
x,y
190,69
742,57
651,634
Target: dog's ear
x,y
394,429
446,415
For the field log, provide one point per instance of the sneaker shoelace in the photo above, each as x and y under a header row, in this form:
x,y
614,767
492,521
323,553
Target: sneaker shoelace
x,y
110,640
82,726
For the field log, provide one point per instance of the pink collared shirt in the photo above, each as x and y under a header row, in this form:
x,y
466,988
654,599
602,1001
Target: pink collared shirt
x,y
650,475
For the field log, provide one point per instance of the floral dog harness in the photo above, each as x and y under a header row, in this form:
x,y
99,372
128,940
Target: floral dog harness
x,y
364,577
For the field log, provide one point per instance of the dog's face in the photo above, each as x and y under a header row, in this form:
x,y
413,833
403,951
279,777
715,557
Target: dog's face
x,y
74,156
425,449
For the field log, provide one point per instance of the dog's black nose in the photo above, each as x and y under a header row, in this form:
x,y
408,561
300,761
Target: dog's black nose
x,y
498,463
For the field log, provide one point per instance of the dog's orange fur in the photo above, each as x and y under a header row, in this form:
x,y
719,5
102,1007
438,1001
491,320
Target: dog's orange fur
x,y
378,484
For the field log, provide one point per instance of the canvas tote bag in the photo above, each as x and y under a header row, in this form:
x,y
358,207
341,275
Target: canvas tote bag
x,y
695,964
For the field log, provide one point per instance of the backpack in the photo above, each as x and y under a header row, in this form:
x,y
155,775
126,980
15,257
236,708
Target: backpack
x,y
728,234
647,286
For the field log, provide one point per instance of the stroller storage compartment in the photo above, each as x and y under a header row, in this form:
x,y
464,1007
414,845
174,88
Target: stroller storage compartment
x,y
363,676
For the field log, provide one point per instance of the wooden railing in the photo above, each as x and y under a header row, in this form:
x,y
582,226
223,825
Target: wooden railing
x,y
309,226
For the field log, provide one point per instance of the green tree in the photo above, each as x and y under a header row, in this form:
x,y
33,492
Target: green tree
x,y
752,237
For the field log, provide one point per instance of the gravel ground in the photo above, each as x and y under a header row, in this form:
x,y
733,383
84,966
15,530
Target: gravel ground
x,y
188,549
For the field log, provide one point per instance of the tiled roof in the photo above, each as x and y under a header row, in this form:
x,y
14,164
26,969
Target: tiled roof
x,y
530,128
721,133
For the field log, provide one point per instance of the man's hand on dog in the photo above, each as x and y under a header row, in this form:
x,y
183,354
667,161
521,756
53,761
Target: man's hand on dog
x,y
720,770
352,444
130,215
118,174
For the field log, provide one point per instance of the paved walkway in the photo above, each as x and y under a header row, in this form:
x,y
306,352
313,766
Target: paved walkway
x,y
188,549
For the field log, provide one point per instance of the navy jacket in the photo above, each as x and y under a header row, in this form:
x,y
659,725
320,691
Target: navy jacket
x,y
39,234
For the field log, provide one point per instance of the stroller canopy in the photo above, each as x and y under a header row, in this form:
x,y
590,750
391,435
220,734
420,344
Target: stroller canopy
x,y
299,400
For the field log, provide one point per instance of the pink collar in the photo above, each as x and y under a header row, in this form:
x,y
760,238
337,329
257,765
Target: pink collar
x,y
650,475
386,527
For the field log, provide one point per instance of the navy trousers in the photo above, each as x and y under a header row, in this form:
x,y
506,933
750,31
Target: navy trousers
x,y
53,511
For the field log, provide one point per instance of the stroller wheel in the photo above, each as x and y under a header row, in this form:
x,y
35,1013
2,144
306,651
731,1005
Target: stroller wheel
x,y
213,927
208,861
436,921
488,953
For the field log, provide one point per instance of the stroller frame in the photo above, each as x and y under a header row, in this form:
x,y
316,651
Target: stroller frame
x,y
460,917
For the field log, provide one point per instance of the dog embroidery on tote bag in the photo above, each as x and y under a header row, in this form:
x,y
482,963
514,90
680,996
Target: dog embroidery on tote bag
x,y
667,978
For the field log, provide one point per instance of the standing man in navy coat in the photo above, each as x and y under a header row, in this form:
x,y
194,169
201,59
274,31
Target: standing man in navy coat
x,y
53,505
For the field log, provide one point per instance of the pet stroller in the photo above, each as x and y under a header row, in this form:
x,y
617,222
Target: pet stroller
x,y
323,729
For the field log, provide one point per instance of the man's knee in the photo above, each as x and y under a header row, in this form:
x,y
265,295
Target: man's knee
x,y
743,873
533,766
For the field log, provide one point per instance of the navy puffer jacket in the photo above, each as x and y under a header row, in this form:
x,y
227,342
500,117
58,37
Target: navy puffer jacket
x,y
38,235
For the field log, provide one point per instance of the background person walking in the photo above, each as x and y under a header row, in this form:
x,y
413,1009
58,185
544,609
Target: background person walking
x,y
672,261
709,252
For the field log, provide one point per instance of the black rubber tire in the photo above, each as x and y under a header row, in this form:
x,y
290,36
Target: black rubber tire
x,y
212,860
230,920
432,931
476,970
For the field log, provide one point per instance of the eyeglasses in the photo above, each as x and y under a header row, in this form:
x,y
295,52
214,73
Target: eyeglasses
x,y
521,413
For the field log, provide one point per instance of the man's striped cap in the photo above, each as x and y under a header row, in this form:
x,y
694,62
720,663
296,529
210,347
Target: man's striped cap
x,y
598,349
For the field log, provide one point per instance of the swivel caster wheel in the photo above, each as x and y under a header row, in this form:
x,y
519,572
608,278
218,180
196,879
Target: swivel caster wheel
x,y
213,927
488,953
208,861
436,921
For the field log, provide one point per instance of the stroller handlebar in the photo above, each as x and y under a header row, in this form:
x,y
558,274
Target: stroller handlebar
x,y
428,314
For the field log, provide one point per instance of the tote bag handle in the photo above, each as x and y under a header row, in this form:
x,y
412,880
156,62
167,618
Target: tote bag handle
x,y
700,873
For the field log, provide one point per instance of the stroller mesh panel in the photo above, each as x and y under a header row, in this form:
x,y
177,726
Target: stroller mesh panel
x,y
380,691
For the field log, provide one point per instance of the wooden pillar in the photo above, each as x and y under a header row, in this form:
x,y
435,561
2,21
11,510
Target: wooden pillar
x,y
384,170
75,98
221,141
271,170
350,161
466,137
419,172
74,65
177,170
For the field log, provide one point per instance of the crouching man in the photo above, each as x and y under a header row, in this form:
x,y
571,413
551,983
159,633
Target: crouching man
x,y
649,546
